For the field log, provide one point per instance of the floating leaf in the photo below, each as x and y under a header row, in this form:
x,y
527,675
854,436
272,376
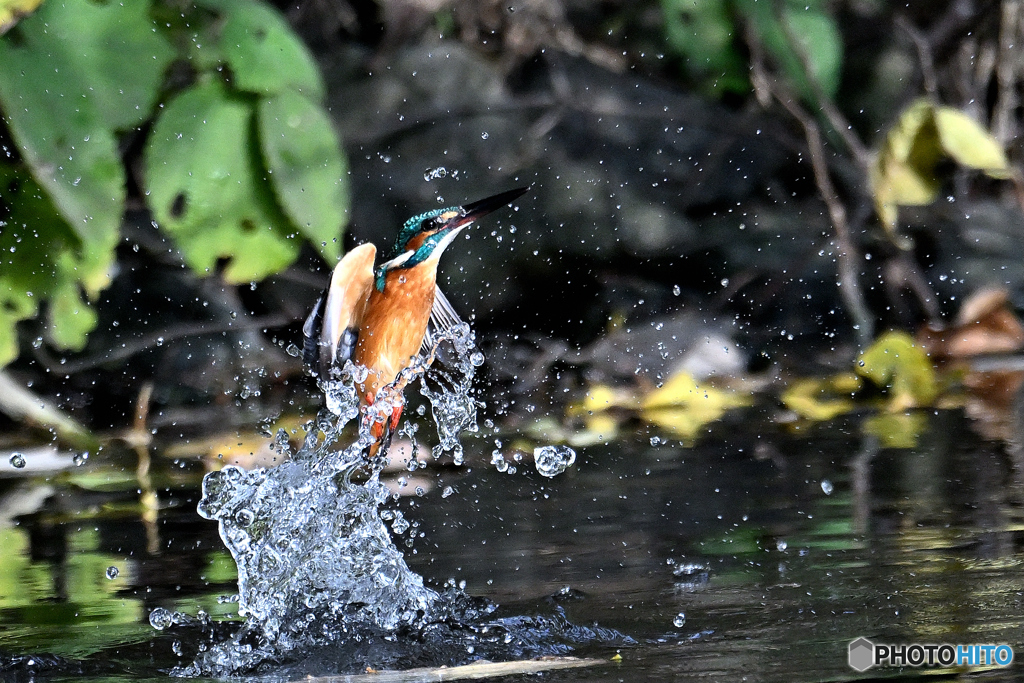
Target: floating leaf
x,y
265,55
895,362
307,169
683,405
896,430
204,177
822,399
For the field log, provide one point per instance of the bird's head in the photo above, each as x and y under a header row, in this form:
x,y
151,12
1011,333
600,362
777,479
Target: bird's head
x,y
425,237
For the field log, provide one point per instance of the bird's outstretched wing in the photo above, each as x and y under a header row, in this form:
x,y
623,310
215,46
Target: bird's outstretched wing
x,y
332,328
442,318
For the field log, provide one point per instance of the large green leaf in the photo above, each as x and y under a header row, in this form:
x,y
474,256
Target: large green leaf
x,y
42,258
794,27
703,32
264,54
206,189
307,169
73,73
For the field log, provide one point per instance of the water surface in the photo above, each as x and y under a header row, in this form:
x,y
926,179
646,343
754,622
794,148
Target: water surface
x,y
748,556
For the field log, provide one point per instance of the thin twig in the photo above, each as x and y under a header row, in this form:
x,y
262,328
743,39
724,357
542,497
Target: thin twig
x,y
154,339
848,254
924,55
1007,67
835,118
20,404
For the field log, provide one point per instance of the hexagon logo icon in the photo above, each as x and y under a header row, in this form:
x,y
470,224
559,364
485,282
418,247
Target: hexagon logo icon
x,y
862,654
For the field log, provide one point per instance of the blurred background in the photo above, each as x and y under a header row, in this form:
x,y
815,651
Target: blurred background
x,y
725,188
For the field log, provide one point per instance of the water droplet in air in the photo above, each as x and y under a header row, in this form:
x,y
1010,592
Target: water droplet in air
x,y
448,490
781,545
826,486
553,460
477,359
677,290
80,458
655,440
293,350
160,618
112,572
433,173
484,135
679,620
17,460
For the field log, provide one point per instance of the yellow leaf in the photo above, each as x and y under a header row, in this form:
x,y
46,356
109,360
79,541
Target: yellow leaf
x,y
969,144
895,362
683,405
904,171
13,10
602,397
822,399
896,430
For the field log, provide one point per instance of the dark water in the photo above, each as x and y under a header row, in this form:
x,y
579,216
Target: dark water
x,y
749,556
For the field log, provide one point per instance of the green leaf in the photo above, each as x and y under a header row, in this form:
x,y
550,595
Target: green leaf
x,y
819,39
810,26
895,362
703,32
206,186
265,55
73,73
307,169
41,257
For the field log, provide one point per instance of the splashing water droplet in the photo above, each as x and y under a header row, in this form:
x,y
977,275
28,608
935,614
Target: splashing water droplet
x,y
553,460
434,173
679,620
17,460
80,458
826,486
112,572
160,618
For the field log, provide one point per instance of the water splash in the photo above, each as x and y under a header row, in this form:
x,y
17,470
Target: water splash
x,y
318,570
551,461
315,559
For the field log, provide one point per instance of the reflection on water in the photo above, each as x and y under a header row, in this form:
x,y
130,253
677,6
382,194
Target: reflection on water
x,y
744,556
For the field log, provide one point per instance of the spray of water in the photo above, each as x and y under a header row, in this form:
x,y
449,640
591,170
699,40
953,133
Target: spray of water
x,y
321,584
316,561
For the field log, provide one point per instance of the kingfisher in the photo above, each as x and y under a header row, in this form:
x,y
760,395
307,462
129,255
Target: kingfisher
x,y
382,317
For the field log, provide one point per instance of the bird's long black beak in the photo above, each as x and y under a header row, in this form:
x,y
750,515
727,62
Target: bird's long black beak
x,y
477,210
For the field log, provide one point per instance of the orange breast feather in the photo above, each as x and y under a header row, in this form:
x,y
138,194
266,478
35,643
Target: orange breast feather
x,y
395,322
